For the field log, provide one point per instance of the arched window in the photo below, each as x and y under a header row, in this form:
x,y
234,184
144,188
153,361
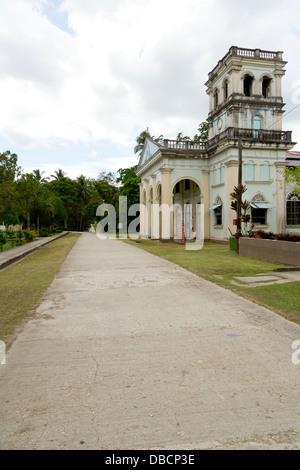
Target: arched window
x,y
216,99
293,209
225,90
250,170
218,211
214,175
266,171
256,125
266,87
248,85
259,210
222,173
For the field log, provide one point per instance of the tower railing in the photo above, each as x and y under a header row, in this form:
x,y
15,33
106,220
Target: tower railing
x,y
252,135
231,133
185,145
248,53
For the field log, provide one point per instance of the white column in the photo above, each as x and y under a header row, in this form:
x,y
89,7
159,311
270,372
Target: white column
x,y
281,198
166,203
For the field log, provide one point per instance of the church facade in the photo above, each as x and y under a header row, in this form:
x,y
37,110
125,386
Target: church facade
x,y
245,112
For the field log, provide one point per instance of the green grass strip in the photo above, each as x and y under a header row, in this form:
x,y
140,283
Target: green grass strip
x,y
216,263
23,285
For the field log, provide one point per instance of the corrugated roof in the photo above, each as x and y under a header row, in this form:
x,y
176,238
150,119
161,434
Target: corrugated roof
x,y
292,154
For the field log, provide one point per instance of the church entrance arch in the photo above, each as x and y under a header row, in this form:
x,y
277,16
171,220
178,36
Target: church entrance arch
x,y
186,201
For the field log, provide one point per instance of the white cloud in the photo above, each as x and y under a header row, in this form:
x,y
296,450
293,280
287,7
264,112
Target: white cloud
x,y
76,72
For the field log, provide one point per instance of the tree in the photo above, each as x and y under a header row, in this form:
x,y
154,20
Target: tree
x,y
9,170
106,188
90,209
66,190
129,184
108,177
9,203
141,140
83,188
58,174
44,205
202,135
27,186
292,175
38,175
84,194
180,136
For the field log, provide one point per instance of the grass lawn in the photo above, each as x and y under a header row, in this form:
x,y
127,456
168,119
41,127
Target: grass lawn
x,y
217,264
23,285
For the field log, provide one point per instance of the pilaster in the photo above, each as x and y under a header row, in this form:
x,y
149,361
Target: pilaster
x,y
281,198
166,204
205,199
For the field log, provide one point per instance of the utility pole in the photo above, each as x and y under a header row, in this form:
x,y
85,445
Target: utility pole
x,y
240,177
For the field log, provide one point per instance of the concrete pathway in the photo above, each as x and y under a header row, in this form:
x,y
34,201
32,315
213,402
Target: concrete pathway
x,y
129,351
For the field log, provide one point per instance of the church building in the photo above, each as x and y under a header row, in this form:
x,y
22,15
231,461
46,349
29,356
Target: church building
x,y
246,106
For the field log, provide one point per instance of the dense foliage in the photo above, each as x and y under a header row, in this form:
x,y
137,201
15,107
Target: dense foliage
x,y
41,203
292,175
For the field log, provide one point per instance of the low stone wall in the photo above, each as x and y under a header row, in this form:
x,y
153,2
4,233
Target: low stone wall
x,y
271,250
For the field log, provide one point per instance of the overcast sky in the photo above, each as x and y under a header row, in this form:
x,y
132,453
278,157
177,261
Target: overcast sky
x,y
80,79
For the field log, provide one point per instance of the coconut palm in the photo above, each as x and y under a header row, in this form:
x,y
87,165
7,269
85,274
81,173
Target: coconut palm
x,y
38,175
59,174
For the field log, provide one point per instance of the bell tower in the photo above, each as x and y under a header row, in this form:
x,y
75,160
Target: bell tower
x,y
245,91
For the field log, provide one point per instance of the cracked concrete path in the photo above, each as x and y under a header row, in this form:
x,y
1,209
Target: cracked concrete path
x,y
129,351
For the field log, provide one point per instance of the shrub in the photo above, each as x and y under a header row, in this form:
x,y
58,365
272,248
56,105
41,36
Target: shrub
x,y
288,237
265,235
34,233
44,233
19,237
28,236
3,239
10,233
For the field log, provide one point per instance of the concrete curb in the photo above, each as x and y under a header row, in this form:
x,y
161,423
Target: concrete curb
x,y
292,268
17,253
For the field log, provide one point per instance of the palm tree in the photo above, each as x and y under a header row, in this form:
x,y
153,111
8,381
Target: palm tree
x,y
59,174
84,194
43,204
141,140
83,188
38,175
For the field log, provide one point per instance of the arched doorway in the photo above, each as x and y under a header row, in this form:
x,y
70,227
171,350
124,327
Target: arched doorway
x,y
186,201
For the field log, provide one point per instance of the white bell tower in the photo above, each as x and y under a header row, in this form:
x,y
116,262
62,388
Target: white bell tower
x,y
245,91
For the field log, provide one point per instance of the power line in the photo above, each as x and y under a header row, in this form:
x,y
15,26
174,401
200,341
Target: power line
x,y
286,114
